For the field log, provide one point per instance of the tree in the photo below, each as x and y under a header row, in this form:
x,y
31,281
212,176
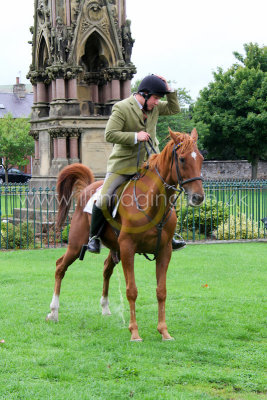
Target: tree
x,y
15,142
234,109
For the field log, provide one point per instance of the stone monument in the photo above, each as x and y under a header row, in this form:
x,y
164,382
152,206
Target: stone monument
x,y
81,65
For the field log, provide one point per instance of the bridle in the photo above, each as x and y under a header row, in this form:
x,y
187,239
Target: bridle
x,y
178,173
179,178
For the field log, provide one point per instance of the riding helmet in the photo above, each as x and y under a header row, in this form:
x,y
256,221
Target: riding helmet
x,y
152,84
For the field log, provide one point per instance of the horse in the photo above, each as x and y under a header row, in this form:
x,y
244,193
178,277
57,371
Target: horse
x,y
145,221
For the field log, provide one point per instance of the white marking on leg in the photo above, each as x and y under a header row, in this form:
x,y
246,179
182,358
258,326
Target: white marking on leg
x,y
194,155
54,306
104,304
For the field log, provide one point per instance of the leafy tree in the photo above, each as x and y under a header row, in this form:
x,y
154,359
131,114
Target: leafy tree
x,y
234,109
15,142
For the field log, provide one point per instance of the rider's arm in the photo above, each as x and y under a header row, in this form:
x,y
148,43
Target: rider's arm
x,y
169,107
114,132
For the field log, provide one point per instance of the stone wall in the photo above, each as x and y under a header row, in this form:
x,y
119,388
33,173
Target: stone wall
x,y
232,170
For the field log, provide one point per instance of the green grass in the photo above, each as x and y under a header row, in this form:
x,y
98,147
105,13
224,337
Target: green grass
x,y
218,352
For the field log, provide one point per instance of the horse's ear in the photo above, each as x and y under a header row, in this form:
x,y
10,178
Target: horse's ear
x,y
170,131
194,134
174,136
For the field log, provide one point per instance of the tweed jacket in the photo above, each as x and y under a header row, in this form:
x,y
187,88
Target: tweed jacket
x,y
126,119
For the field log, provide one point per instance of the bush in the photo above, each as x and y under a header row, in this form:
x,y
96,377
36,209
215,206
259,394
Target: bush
x,y
65,234
16,236
240,228
204,218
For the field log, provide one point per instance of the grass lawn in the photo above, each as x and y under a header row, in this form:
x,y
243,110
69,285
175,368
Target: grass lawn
x,y
215,309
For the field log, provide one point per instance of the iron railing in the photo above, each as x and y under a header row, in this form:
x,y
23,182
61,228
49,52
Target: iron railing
x,y
231,210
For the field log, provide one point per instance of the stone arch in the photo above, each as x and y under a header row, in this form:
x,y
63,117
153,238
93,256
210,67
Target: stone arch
x,y
95,52
43,55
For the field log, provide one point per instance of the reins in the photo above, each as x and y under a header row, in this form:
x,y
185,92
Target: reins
x,y
180,189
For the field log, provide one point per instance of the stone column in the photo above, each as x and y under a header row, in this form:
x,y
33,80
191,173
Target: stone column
x,y
115,89
123,11
119,13
62,148
54,90
36,149
72,89
59,161
95,93
74,156
34,87
55,147
106,92
60,89
68,12
41,108
54,16
49,92
41,93
125,89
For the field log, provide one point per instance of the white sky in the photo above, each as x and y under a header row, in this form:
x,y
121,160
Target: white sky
x,y
182,40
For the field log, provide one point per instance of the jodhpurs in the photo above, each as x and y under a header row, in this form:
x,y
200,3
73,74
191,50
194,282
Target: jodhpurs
x,y
111,182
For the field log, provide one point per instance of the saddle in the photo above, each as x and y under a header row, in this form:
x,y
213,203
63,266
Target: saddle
x,y
114,201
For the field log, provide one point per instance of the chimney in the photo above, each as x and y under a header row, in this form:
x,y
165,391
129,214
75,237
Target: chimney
x,y
19,89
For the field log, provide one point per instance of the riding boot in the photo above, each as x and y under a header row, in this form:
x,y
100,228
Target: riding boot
x,y
97,223
177,244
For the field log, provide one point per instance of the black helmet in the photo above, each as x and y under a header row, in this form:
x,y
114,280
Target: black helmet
x,y
152,84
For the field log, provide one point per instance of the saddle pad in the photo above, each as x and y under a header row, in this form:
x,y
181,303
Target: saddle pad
x,y
89,205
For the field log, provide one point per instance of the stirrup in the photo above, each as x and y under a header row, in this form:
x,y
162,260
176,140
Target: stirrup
x,y
94,245
177,244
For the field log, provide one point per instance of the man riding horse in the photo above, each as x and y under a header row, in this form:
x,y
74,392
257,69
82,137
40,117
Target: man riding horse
x,y
132,123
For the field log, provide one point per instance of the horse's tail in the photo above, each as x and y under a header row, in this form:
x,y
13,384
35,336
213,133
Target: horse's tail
x,y
74,177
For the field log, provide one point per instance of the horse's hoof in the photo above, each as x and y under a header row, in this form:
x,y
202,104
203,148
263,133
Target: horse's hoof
x,y
167,339
106,312
105,306
51,317
136,340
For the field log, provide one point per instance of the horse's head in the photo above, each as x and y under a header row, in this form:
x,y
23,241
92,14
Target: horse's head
x,y
186,165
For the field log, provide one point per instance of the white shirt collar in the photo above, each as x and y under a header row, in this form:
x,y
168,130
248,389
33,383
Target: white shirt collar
x,y
139,104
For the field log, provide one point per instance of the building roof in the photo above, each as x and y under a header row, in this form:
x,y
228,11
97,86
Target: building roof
x,y
18,106
9,88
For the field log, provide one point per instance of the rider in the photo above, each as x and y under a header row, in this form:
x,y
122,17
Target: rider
x,y
133,120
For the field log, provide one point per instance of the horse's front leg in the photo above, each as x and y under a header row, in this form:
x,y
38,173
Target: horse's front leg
x,y
127,259
162,264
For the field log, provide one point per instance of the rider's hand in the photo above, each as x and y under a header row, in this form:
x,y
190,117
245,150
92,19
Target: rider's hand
x,y
165,81
143,136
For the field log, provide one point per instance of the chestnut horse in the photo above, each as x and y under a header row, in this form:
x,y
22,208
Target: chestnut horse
x,y
145,222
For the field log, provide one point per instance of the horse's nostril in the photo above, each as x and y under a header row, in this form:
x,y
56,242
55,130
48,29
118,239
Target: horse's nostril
x,y
197,198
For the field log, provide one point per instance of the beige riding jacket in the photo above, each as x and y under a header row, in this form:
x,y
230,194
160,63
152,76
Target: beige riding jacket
x,y
126,119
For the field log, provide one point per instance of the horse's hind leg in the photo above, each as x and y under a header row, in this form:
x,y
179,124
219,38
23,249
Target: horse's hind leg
x,y
62,265
109,265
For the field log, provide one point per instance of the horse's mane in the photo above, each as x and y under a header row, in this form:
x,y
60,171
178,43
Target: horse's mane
x,y
161,160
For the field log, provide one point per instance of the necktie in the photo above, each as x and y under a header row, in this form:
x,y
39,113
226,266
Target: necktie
x,y
144,115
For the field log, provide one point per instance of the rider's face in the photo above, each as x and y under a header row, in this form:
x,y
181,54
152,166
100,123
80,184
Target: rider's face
x,y
152,101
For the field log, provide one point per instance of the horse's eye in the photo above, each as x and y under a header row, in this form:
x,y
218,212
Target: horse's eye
x,y
182,160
